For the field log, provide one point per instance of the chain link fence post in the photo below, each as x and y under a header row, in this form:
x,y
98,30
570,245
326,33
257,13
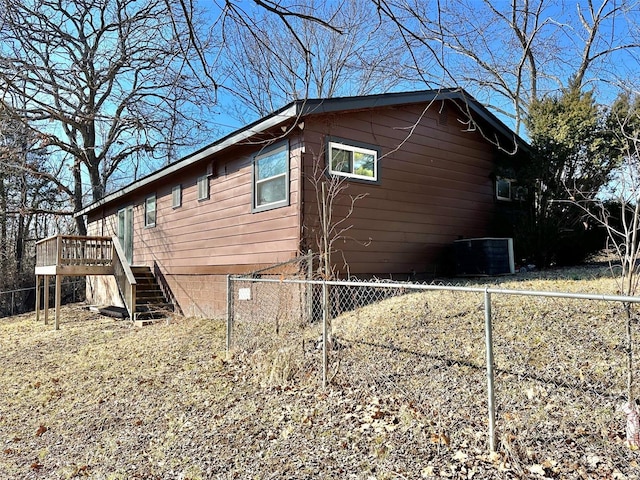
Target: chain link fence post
x,y
309,287
490,386
325,332
229,313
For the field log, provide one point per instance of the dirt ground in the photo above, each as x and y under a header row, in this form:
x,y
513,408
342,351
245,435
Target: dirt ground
x,y
407,399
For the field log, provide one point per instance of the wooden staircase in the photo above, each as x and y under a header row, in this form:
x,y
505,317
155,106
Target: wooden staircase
x,y
150,300
70,255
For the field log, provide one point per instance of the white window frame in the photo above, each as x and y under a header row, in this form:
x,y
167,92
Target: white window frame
x,y
203,188
150,200
176,196
353,149
275,150
510,182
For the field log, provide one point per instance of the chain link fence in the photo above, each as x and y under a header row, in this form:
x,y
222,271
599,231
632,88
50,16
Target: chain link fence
x,y
556,374
22,300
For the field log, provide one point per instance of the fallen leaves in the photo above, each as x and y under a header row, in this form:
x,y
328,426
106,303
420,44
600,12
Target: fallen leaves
x,y
374,417
537,469
417,410
440,438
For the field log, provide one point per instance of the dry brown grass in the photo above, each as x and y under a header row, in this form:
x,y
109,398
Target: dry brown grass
x,y
560,375
99,399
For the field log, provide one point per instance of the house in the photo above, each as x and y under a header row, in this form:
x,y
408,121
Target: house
x,y
426,165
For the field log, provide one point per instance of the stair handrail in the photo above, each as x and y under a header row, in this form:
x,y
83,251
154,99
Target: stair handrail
x,y
125,279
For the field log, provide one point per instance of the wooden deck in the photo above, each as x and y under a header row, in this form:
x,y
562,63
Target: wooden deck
x,y
69,255
73,255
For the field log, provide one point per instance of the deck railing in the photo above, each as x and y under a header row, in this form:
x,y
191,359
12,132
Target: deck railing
x,y
63,250
85,255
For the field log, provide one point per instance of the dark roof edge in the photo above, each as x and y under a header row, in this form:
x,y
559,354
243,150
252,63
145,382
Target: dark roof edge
x,y
300,108
286,113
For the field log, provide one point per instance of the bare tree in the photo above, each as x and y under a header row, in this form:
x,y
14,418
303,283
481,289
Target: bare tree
x,y
22,197
268,66
619,215
333,225
100,81
623,236
511,54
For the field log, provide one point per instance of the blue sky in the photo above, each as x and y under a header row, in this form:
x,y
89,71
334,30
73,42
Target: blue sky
x,y
607,77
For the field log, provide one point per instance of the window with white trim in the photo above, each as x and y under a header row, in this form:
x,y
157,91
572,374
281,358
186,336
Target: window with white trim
x,y
503,188
203,187
271,178
352,161
150,211
176,196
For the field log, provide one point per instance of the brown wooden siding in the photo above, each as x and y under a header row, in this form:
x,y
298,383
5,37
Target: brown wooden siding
x,y
435,187
207,239
221,230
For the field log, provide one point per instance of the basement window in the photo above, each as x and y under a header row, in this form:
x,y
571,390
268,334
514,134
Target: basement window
x,y
353,161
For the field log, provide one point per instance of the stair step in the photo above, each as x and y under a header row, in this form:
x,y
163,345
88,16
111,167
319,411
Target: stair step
x,y
152,307
149,289
140,268
150,300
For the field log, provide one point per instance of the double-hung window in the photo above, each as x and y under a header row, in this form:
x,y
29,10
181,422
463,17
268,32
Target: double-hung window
x,y
271,178
176,196
150,211
353,161
203,187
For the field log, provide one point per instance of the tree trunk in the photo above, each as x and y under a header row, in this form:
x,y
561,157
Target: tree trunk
x,y
4,254
77,198
21,230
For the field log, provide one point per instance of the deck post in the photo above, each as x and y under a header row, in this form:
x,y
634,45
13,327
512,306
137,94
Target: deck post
x,y
46,299
57,300
37,298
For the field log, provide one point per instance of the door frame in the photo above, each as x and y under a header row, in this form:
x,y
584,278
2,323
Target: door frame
x,y
125,231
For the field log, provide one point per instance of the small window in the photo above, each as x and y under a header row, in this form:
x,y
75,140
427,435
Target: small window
x,y
176,196
271,178
203,187
354,162
503,188
150,212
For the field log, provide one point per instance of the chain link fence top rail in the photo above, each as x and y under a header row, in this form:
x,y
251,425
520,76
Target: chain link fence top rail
x,y
414,356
